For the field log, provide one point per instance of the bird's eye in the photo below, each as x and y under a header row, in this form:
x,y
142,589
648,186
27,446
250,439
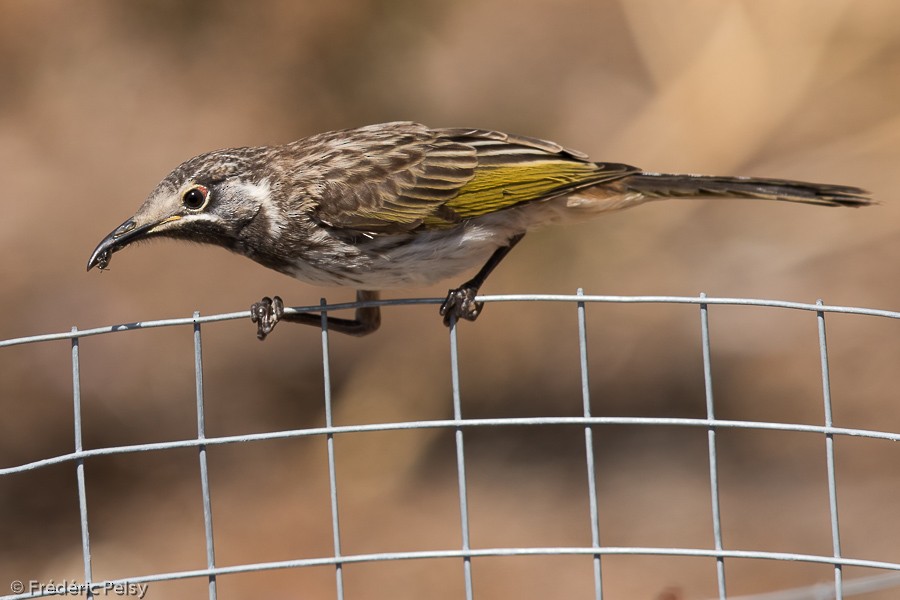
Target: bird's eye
x,y
195,198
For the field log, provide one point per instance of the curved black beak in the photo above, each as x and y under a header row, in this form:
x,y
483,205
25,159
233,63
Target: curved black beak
x,y
120,237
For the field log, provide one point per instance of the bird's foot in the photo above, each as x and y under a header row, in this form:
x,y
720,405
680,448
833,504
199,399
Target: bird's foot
x,y
266,313
461,304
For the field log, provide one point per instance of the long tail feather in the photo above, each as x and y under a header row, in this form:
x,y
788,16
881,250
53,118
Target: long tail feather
x,y
661,185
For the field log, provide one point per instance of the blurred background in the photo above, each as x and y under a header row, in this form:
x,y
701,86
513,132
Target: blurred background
x,y
101,99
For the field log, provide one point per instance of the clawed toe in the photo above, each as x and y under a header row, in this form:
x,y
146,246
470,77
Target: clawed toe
x,y
461,304
266,313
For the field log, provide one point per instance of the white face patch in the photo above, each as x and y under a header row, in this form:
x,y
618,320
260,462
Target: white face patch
x,y
261,193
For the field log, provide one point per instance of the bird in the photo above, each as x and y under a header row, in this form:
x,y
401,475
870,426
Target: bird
x,y
400,204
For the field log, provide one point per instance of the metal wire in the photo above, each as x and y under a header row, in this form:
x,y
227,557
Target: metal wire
x,y
204,471
460,461
79,466
711,440
459,425
332,472
589,447
829,456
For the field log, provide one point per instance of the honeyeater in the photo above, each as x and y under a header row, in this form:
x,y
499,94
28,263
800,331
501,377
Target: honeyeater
x,y
400,204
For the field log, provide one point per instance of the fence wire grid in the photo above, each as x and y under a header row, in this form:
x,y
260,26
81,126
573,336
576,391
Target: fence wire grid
x,y
717,552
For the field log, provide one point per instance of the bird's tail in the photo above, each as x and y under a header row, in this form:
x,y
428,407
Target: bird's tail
x,y
661,185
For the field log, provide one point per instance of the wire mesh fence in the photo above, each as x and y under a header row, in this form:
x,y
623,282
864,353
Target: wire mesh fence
x,y
719,554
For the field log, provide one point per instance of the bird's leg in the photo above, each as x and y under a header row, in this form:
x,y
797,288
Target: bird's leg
x,y
460,302
269,311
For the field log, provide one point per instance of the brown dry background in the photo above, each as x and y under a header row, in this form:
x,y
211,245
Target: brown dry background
x,y
100,99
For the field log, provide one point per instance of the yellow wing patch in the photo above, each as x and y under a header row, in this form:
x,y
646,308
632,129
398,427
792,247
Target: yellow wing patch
x,y
495,188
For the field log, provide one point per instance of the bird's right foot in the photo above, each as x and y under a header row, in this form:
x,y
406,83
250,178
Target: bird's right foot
x,y
266,313
460,304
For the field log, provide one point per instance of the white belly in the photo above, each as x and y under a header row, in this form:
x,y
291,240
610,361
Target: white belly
x,y
425,258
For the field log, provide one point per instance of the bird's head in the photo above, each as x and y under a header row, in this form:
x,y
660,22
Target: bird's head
x,y
210,198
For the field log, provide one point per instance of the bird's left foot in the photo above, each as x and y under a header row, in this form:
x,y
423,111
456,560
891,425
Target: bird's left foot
x,y
266,313
461,304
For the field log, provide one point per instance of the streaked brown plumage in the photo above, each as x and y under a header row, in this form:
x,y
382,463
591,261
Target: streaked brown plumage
x,y
399,204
